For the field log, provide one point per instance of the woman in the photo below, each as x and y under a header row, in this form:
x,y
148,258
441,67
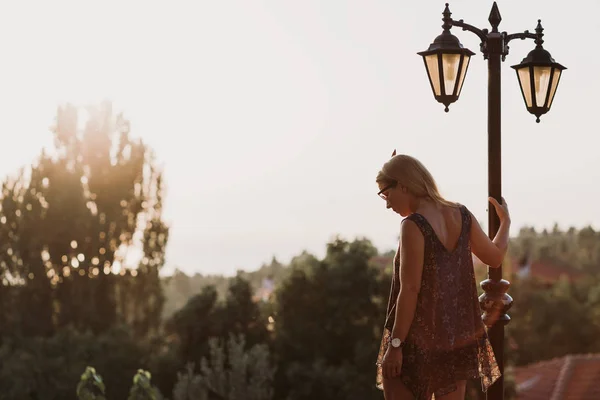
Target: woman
x,y
434,339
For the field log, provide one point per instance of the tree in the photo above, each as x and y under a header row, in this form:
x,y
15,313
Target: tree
x,y
579,249
195,323
550,323
328,323
49,368
71,224
26,295
179,287
204,317
242,315
237,374
177,290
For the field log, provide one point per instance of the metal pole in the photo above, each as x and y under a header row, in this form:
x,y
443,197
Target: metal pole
x,y
495,302
496,331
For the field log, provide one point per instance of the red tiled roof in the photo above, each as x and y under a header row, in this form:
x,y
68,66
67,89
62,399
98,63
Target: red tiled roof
x,y
542,270
584,380
552,273
573,377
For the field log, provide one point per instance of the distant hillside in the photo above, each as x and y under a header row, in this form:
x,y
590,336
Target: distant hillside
x,y
179,287
578,249
574,251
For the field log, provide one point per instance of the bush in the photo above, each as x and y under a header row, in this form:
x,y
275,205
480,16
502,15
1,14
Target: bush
x,y
90,386
237,375
142,388
49,368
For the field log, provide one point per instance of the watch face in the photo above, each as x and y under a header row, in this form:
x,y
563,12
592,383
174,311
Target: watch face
x,y
396,342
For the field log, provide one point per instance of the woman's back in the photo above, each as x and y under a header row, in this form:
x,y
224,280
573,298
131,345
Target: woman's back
x,y
448,314
434,339
446,222
447,340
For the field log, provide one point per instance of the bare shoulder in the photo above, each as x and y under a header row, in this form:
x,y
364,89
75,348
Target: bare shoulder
x,y
410,232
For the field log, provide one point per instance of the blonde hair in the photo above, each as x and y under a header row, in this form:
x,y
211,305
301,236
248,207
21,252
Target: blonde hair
x,y
411,174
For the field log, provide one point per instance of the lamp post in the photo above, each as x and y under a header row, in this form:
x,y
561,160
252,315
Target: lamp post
x,y
446,62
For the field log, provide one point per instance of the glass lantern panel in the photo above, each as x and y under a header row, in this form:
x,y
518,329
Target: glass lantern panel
x,y
434,73
463,72
450,64
555,80
525,82
541,76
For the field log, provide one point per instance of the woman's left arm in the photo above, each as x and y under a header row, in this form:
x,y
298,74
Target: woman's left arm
x,y
412,248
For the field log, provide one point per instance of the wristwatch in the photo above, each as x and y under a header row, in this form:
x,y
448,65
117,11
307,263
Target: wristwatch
x,y
397,343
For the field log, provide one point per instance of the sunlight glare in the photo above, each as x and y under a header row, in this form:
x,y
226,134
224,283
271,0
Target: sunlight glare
x,y
116,267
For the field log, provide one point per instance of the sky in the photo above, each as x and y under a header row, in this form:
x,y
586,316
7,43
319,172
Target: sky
x,y
272,118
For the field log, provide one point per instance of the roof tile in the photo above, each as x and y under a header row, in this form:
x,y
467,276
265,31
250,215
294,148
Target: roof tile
x,y
573,377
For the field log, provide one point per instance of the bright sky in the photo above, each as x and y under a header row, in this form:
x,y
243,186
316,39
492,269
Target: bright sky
x,y
272,118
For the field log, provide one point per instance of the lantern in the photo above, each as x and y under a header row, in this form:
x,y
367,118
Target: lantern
x,y
446,62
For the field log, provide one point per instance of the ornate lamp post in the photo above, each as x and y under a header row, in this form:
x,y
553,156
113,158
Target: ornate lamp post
x,y
447,62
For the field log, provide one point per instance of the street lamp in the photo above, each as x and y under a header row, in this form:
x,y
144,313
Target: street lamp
x,y
446,62
538,76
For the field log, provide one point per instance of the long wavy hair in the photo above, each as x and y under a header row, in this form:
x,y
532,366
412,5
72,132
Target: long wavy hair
x,y
410,173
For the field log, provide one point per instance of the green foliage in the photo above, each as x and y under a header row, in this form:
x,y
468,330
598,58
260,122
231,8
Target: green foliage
x,y
552,322
142,388
323,380
204,317
49,368
90,386
67,224
327,324
579,249
241,314
235,375
195,323
164,361
179,287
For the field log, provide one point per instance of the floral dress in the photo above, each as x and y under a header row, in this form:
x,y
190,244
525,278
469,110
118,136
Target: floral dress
x,y
447,340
